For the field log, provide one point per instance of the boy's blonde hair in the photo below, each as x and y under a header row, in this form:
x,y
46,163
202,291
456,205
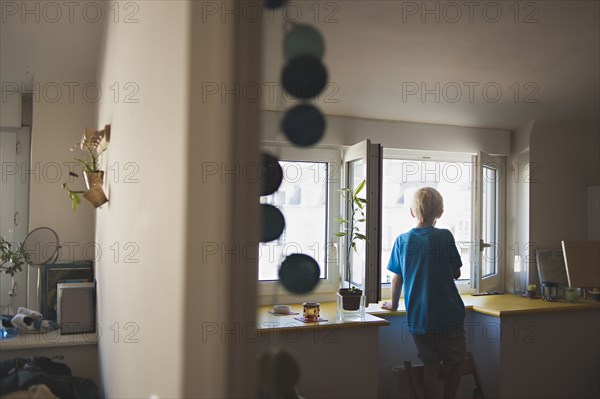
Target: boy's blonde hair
x,y
427,205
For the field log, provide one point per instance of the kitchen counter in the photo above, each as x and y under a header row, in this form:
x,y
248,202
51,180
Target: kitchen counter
x,y
500,305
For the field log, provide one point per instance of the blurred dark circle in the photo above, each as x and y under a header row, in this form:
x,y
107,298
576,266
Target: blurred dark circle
x,y
303,125
271,174
299,273
272,223
304,77
303,39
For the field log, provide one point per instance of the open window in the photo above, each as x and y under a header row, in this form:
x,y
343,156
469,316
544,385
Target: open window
x,y
489,226
473,192
406,171
361,162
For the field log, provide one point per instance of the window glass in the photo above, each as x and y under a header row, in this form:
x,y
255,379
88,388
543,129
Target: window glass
x,y
489,221
302,198
401,178
357,170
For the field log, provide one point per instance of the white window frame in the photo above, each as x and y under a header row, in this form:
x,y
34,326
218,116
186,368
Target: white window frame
x,y
494,282
371,154
271,292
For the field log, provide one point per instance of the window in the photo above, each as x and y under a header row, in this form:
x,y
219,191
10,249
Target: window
x,y
302,198
473,189
489,199
401,178
307,199
362,161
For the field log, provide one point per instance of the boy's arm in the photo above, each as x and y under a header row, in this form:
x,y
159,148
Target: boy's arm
x,y
454,257
456,273
396,289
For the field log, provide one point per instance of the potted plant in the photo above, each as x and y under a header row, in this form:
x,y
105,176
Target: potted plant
x,y
531,291
11,263
93,144
352,296
16,257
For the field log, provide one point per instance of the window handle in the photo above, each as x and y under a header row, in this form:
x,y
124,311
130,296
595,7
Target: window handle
x,y
483,245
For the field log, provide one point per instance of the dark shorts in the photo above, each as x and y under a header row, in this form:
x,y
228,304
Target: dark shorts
x,y
448,346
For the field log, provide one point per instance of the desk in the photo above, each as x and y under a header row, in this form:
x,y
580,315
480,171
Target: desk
x,y
337,359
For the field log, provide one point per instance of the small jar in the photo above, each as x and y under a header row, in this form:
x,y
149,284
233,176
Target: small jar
x,y
550,291
311,311
530,294
572,294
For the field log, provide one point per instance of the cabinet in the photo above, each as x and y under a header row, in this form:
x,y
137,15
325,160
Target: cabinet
x,y
10,116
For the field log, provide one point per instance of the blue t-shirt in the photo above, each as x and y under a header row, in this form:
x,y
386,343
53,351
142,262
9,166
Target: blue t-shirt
x,y
426,258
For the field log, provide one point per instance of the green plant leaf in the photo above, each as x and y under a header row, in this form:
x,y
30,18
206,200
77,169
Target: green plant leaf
x,y
86,165
75,200
360,236
340,220
360,187
341,234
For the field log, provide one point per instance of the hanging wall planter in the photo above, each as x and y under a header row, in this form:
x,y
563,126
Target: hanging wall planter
x,y
93,143
93,179
96,196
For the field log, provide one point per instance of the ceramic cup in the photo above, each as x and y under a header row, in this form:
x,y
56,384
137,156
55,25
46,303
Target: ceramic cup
x,y
572,294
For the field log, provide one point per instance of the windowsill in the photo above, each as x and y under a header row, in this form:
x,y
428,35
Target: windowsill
x,y
499,305
47,340
268,322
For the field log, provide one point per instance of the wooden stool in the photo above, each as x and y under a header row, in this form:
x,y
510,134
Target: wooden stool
x,y
415,376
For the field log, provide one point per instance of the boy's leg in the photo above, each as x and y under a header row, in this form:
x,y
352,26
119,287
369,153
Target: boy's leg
x,y
430,381
453,377
453,351
431,361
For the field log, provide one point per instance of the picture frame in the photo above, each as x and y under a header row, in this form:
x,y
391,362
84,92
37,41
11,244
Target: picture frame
x,y
551,268
53,274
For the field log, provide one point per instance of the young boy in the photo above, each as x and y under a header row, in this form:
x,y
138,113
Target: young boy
x,y
426,260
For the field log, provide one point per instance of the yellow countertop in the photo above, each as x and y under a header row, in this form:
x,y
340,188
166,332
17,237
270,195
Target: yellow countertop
x,y
271,323
500,305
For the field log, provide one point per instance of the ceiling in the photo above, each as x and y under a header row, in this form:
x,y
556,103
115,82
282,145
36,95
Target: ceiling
x,y
383,59
472,68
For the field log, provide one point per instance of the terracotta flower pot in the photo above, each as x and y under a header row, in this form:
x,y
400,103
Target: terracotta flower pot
x,y
93,179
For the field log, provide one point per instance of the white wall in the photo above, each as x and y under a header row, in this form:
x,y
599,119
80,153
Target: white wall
x,y
567,160
173,292
145,216
518,259
346,130
553,164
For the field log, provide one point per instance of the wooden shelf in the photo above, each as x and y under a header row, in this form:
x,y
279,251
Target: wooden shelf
x,y
47,340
